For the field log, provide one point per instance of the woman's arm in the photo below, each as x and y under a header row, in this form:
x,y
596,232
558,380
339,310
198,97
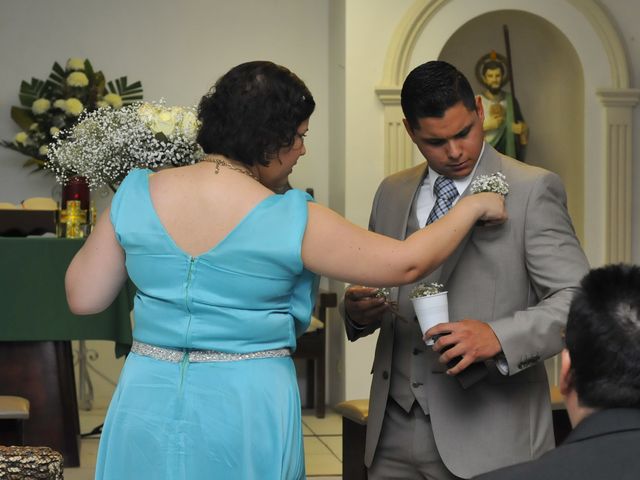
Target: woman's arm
x,y
97,272
334,247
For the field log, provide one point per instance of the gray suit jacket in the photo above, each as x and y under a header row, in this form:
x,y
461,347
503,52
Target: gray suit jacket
x,y
604,445
519,277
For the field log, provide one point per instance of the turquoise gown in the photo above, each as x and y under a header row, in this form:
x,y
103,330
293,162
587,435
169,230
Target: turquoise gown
x,y
236,420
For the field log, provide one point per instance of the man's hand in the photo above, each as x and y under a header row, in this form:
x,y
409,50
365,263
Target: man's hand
x,y
470,339
362,305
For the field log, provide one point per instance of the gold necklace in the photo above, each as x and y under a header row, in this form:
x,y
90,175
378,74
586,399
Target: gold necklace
x,y
221,161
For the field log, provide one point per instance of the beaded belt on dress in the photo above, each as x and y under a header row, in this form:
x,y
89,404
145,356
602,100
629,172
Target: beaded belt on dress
x,y
177,355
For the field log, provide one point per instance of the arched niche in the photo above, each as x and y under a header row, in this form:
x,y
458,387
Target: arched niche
x,y
607,101
549,87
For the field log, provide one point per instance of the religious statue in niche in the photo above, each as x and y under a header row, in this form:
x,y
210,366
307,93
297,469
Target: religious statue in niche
x,y
504,126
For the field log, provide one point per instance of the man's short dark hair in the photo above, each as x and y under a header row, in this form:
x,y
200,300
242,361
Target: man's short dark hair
x,y
603,338
253,111
432,88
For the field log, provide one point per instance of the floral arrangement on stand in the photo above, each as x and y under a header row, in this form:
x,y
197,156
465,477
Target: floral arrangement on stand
x,y
105,144
51,106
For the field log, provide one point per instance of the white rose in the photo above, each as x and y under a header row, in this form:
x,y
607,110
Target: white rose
x,y
61,103
54,131
147,113
164,122
40,106
189,125
113,99
75,63
77,79
21,138
74,107
43,150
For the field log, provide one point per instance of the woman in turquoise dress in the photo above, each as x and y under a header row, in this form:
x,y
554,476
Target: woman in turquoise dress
x,y
226,272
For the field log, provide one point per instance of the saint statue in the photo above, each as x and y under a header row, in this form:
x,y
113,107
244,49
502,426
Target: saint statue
x,y
503,126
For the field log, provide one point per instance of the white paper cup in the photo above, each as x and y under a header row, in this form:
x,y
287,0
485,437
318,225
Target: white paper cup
x,y
430,311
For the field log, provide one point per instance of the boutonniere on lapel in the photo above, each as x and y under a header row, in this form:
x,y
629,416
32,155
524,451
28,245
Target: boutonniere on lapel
x,y
495,183
431,306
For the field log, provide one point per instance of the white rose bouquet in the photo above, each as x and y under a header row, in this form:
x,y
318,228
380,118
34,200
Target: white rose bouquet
x,y
52,106
105,144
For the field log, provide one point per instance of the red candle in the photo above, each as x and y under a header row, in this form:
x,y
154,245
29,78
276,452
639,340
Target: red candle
x,y
76,189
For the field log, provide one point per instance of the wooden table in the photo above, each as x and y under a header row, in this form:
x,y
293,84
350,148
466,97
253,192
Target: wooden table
x,y
36,329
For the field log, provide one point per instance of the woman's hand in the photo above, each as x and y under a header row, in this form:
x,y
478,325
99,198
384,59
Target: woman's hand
x,y
491,208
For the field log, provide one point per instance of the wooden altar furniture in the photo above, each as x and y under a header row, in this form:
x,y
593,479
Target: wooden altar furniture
x,y
22,222
312,348
13,413
354,430
36,329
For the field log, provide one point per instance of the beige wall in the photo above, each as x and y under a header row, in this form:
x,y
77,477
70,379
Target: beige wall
x,y
177,50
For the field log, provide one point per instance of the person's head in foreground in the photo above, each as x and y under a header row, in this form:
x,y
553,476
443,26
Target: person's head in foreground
x,y
601,362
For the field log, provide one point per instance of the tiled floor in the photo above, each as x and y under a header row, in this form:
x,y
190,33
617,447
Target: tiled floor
x,y
322,444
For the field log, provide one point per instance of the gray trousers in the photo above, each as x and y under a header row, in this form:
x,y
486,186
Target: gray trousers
x,y
406,449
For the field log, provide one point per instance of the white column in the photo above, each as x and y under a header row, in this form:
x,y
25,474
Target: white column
x,y
398,151
618,105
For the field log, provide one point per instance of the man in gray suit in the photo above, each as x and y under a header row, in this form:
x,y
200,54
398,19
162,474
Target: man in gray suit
x,y
600,380
509,289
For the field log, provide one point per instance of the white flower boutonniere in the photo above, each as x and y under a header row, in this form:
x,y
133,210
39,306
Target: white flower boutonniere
x,y
496,183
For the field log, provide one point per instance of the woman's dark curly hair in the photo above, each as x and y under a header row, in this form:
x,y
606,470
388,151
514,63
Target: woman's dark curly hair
x,y
253,111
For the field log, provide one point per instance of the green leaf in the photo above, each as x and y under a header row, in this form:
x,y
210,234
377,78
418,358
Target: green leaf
x,y
39,164
129,93
22,116
30,92
99,83
57,76
88,68
56,83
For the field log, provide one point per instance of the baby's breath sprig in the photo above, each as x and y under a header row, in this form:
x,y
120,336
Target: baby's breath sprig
x,y
496,183
426,290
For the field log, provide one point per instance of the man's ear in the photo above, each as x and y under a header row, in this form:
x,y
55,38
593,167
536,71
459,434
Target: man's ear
x,y
409,129
566,375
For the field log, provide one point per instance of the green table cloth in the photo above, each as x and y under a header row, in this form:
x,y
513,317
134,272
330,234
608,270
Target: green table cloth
x,y
34,305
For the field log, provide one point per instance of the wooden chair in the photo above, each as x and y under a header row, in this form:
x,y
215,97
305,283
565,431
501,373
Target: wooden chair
x,y
13,412
355,414
312,348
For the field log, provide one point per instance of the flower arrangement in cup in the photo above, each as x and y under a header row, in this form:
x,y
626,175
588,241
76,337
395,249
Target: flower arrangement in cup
x,y
105,144
424,289
51,106
431,306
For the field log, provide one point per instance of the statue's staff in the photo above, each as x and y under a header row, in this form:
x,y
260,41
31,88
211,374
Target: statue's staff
x,y
510,147
507,45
